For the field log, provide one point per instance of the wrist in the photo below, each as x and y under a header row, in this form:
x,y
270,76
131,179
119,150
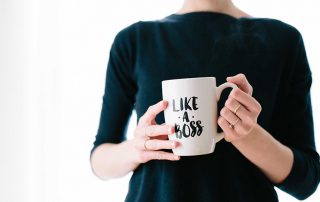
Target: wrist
x,y
131,153
246,139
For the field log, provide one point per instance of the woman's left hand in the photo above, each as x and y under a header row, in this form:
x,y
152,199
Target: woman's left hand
x,y
240,113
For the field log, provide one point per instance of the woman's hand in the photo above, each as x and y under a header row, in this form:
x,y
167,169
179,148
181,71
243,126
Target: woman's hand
x,y
240,113
274,159
149,137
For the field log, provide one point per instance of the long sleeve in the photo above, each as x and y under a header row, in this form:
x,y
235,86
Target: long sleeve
x,y
119,93
293,124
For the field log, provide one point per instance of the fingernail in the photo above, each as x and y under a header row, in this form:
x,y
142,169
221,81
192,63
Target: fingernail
x,y
173,144
176,157
164,102
170,130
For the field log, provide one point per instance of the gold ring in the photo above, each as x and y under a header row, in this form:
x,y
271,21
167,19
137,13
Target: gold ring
x,y
238,107
232,125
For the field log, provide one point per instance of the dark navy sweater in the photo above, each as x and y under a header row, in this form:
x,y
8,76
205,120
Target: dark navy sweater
x,y
269,52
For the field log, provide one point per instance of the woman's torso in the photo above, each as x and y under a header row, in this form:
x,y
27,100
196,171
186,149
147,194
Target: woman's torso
x,y
207,44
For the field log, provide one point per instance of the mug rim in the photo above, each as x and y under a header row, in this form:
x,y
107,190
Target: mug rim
x,y
189,78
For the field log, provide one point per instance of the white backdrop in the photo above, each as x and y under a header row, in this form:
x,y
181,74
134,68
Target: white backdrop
x,y
53,57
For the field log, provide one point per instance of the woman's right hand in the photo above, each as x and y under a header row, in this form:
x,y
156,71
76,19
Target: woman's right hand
x,y
149,137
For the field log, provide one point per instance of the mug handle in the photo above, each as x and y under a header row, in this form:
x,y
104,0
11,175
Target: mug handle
x,y
219,90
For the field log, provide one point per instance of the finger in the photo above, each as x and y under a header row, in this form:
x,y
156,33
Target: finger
x,y
232,104
154,130
161,137
155,144
246,100
241,81
229,116
229,132
239,128
157,155
152,112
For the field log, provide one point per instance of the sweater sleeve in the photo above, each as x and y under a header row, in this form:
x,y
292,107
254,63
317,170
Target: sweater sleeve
x,y
119,93
293,124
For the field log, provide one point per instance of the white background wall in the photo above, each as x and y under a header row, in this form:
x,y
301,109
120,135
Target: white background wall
x,y
53,57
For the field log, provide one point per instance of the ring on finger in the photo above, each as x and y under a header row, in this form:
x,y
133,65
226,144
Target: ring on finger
x,y
237,108
232,125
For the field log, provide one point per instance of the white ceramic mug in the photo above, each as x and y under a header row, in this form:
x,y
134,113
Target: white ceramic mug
x,y
192,109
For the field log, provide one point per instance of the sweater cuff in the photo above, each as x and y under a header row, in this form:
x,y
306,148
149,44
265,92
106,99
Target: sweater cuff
x,y
294,182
